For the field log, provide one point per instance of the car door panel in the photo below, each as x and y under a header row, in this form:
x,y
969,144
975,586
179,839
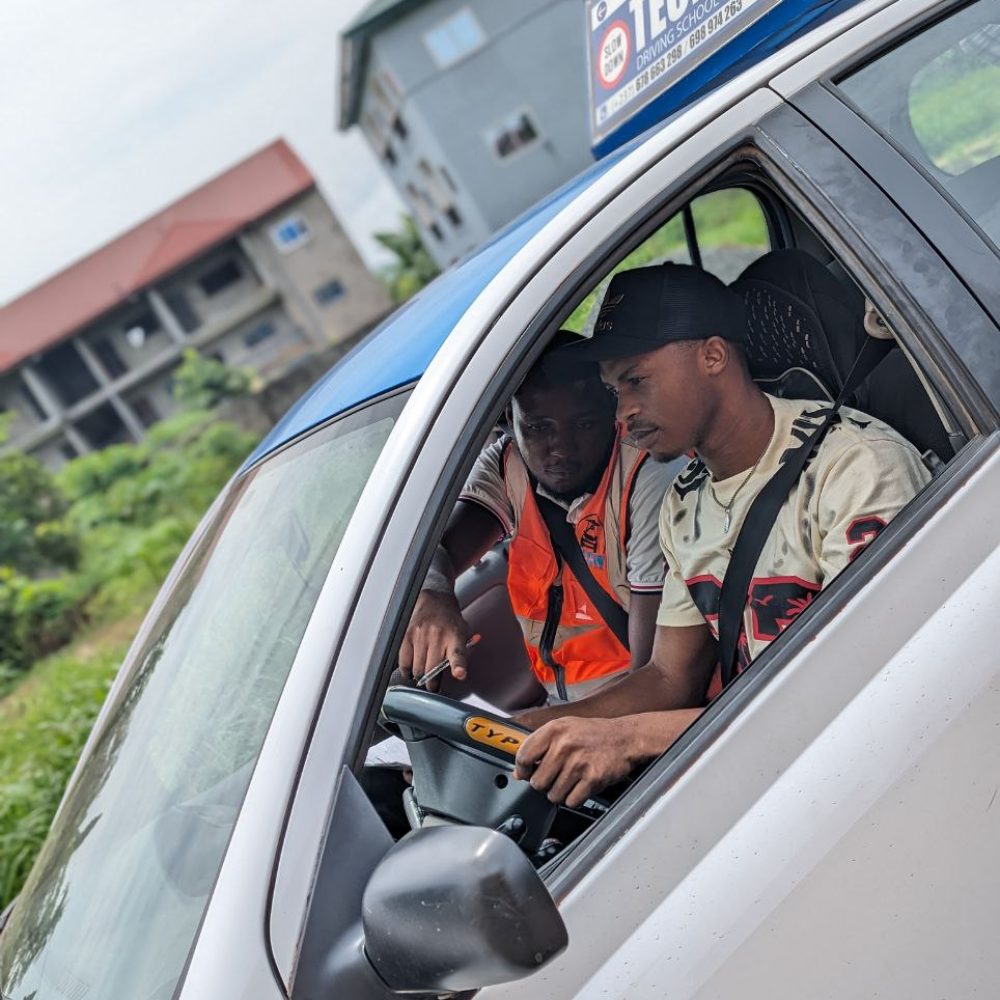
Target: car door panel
x,y
741,866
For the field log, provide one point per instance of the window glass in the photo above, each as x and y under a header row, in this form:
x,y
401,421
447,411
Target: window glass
x,y
937,95
730,232
117,894
514,133
454,38
290,233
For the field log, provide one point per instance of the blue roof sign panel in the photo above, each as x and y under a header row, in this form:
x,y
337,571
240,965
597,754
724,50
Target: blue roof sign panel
x,y
639,48
743,33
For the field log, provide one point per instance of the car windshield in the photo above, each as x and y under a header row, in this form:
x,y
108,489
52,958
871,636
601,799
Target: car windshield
x,y
114,901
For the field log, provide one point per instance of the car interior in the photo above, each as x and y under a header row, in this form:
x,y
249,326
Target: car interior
x,y
808,321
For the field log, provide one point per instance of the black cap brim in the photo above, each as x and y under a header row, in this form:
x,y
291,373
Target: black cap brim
x,y
610,348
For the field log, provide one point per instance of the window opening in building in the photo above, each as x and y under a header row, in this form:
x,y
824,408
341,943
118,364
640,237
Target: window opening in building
x,y
258,333
455,38
436,230
103,427
448,179
329,292
290,233
515,133
182,310
111,360
220,277
144,410
453,216
140,327
64,369
399,127
389,154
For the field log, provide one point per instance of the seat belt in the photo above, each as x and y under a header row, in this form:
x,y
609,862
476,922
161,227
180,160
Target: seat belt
x,y
763,513
567,545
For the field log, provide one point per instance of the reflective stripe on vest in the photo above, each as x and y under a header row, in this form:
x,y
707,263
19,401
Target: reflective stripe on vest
x,y
570,647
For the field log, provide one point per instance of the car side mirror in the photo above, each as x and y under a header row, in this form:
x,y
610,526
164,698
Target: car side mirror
x,y
453,908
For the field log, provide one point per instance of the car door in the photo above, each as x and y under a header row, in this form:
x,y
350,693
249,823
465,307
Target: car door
x,y
826,830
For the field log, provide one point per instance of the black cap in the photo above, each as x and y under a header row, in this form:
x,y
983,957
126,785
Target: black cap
x,y
561,363
647,307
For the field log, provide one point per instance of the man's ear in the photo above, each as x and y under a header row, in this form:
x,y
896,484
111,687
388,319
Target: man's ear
x,y
716,355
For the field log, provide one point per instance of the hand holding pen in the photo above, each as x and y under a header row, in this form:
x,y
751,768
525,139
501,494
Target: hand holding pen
x,y
425,679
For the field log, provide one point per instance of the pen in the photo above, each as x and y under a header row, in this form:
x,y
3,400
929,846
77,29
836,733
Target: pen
x,y
439,668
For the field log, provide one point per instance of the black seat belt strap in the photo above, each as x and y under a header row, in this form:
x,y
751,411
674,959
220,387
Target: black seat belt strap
x,y
566,544
763,513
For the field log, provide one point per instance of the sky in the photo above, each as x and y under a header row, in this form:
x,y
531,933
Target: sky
x,y
111,109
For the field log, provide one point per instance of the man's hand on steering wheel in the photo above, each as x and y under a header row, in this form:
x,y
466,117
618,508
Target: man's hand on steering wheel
x,y
570,759
437,631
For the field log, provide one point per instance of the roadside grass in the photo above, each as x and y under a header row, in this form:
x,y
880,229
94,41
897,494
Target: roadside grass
x,y
44,723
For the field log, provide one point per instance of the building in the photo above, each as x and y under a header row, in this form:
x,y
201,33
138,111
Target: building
x,y
251,268
476,109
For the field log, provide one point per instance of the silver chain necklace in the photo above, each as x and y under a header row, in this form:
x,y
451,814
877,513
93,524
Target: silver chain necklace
x,y
728,507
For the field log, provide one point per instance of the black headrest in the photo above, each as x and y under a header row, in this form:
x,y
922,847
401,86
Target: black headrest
x,y
800,316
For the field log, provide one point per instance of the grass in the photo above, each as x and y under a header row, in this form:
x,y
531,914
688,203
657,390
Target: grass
x,y
44,723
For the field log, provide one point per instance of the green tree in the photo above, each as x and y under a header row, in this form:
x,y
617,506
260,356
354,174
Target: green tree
x,y
33,534
201,383
413,268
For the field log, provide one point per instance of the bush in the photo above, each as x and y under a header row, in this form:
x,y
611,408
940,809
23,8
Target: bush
x,y
42,731
201,383
32,535
36,617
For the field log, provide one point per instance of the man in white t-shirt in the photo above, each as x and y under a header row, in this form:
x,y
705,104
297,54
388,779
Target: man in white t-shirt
x,y
669,339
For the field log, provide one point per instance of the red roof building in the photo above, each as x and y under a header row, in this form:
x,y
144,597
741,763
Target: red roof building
x,y
251,267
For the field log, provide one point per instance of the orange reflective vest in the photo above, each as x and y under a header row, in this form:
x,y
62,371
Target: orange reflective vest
x,y
571,649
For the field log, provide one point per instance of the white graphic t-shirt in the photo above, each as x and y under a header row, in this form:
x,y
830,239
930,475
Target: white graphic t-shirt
x,y
861,475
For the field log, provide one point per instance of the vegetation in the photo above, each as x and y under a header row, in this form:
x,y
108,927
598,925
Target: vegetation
x,y
413,267
955,111
202,382
82,553
43,726
723,219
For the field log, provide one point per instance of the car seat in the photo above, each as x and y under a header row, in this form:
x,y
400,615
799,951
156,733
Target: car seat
x,y
806,328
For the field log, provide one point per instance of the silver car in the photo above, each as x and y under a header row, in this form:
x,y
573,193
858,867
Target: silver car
x,y
829,825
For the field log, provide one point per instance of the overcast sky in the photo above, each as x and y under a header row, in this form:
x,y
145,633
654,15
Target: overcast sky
x,y
111,109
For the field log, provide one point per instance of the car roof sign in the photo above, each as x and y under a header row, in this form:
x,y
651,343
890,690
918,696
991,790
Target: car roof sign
x,y
648,59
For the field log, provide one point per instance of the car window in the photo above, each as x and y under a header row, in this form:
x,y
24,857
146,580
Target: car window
x,y
114,901
937,96
724,232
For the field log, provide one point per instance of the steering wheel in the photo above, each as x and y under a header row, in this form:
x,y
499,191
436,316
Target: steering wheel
x,y
463,764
